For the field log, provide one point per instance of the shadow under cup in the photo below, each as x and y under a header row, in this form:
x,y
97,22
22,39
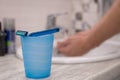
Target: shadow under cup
x,y
37,55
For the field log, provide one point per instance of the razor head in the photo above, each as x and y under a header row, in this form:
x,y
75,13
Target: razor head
x,y
21,33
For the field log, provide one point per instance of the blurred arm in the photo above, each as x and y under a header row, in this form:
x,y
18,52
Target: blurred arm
x,y
108,26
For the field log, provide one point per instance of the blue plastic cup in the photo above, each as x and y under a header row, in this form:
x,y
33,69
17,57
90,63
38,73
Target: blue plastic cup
x,y
37,55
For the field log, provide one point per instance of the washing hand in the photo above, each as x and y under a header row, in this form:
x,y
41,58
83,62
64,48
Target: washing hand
x,y
76,45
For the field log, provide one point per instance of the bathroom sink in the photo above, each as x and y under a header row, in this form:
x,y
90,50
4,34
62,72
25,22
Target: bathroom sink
x,y
107,51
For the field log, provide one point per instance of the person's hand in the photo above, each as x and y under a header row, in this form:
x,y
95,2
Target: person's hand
x,y
76,45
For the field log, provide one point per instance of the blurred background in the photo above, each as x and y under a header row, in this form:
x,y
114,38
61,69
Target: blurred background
x,y
35,15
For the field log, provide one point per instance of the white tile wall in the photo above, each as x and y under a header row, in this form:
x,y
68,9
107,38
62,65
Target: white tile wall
x,y
31,14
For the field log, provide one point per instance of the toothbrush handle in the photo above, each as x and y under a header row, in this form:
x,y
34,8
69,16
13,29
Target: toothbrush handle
x,y
45,32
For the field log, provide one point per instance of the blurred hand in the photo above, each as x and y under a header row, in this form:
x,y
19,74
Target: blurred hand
x,y
76,45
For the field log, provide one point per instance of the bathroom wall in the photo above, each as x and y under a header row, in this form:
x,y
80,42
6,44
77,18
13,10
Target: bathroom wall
x,y
88,12
31,14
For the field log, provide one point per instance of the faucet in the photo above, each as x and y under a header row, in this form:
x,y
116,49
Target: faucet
x,y
51,23
51,19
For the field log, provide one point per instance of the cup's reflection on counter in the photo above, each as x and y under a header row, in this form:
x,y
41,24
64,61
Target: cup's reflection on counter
x,y
37,55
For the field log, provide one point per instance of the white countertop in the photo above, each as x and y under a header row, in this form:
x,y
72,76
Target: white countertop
x,y
11,68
